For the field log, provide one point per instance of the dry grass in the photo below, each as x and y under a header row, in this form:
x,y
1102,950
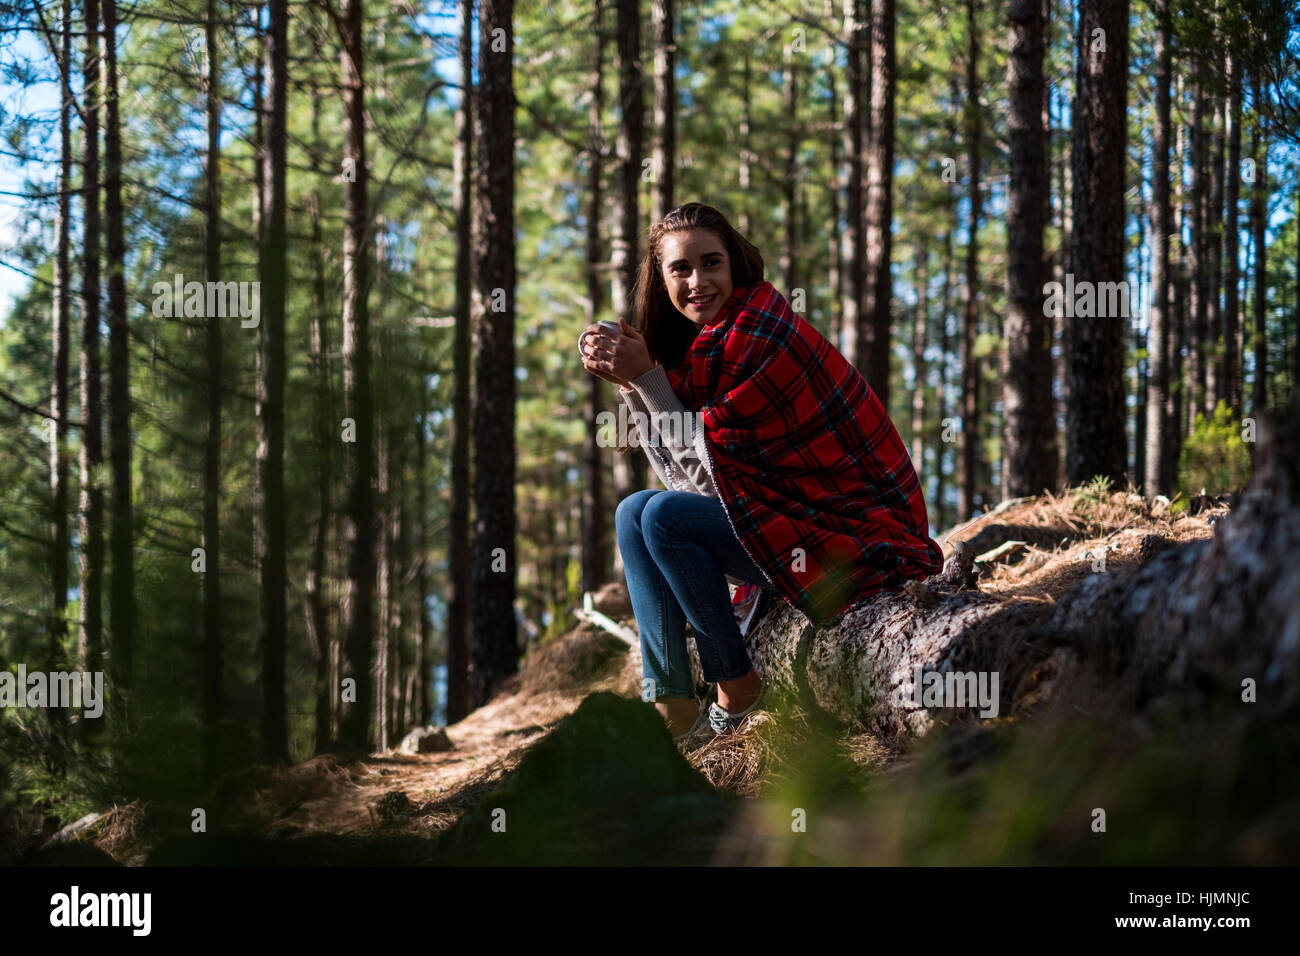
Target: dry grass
x,y
425,794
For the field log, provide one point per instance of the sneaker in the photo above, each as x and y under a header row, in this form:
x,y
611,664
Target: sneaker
x,y
724,722
701,721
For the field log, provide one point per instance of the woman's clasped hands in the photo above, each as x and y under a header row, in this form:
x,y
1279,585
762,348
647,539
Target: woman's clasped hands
x,y
617,357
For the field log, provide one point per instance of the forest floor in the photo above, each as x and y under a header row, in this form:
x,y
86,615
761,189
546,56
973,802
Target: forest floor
x,y
401,807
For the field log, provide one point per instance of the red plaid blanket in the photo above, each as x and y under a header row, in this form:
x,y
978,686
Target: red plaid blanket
x,y
810,470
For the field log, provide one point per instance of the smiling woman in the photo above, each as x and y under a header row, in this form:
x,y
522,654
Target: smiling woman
x,y
790,479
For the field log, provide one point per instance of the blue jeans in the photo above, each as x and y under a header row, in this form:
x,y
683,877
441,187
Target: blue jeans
x,y
677,547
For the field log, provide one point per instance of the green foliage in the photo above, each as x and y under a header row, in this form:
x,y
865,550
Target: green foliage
x,y
1096,491
1215,456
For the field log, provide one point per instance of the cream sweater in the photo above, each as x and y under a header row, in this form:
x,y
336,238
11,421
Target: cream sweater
x,y
678,455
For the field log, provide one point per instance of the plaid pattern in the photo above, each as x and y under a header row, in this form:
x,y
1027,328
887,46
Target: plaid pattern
x,y
803,456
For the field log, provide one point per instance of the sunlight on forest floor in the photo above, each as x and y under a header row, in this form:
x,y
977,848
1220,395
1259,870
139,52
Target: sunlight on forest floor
x,y
1008,790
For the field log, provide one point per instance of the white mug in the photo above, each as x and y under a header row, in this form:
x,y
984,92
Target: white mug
x,y
608,324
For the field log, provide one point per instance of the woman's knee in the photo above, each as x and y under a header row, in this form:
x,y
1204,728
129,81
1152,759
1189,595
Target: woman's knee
x,y
661,516
628,513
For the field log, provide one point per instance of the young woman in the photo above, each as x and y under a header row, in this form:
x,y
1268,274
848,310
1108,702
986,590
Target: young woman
x,y
782,468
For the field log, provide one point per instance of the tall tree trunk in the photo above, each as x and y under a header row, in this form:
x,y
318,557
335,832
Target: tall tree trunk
x,y
1028,453
383,586
631,135
945,343
91,583
745,156
790,180
61,344
458,558
836,184
1231,377
1065,228
1295,361
1156,477
1259,227
323,637
212,655
121,610
496,640
1140,372
874,345
1095,421
1197,269
918,360
424,682
360,529
1175,426
665,107
273,266
854,256
595,555
970,430
1214,253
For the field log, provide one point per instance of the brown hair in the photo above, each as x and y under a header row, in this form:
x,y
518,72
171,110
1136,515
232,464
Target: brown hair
x,y
668,333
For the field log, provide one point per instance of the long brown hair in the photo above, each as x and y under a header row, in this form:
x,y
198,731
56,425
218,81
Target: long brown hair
x,y
668,333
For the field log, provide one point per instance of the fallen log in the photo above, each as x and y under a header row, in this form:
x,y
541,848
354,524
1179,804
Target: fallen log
x,y
1209,615
861,670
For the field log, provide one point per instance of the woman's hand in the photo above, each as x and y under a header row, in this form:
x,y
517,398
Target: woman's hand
x,y
589,356
624,357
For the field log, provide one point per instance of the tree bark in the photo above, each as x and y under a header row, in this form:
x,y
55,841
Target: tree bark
x,y
496,641
1095,420
273,268
1214,255
918,360
945,344
1156,479
359,534
631,136
1029,454
121,610
1231,376
1175,426
323,638
424,681
1259,227
970,423
1206,613
836,184
458,533
790,179
874,347
860,670
91,583
665,106
61,344
595,530
854,256
1197,269
212,653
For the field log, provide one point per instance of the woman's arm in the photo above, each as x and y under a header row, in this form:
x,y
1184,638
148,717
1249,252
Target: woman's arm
x,y
684,439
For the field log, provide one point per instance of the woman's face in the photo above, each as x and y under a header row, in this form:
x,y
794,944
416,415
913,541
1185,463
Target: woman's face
x,y
696,272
